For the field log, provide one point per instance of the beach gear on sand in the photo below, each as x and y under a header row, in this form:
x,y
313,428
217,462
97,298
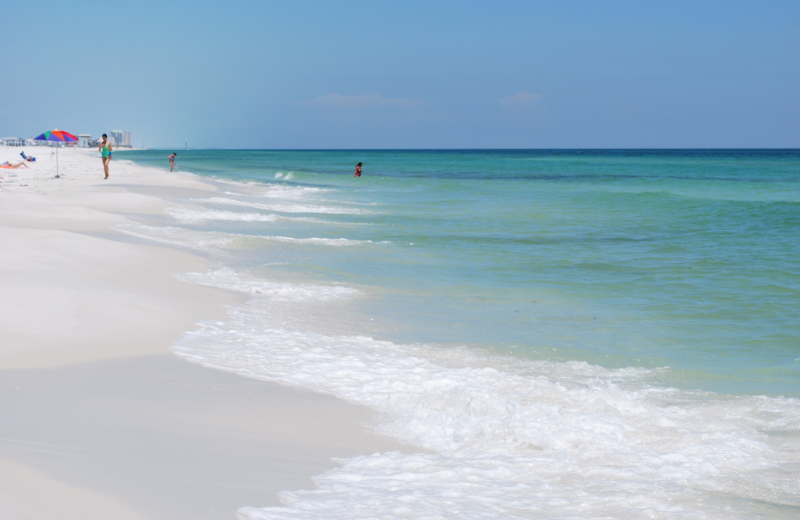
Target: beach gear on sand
x,y
57,136
29,159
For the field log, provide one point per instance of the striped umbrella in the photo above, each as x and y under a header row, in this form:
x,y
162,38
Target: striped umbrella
x,y
58,136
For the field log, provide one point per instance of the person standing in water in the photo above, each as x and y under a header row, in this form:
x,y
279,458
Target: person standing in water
x,y
358,170
172,161
107,150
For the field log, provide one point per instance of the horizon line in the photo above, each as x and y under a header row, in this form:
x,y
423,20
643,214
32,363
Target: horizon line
x,y
456,149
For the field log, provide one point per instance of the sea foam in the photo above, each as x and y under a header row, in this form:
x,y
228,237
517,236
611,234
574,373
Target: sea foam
x,y
277,191
514,438
286,208
323,241
212,240
197,215
206,240
228,279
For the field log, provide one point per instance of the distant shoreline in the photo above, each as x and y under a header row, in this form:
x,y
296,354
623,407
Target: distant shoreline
x,y
88,316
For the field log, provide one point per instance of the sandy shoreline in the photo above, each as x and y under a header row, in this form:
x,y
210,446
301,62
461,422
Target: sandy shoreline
x,y
101,420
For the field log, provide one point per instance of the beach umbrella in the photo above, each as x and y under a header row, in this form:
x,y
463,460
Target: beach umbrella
x,y
58,136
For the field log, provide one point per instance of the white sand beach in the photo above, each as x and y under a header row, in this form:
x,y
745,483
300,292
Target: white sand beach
x,y
100,419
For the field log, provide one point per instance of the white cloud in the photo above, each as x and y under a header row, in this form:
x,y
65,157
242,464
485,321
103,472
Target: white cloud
x,y
521,99
365,100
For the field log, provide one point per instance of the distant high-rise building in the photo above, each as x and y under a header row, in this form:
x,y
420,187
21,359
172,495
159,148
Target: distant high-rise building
x,y
121,138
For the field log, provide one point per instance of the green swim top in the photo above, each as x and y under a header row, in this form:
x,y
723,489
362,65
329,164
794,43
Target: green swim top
x,y
106,151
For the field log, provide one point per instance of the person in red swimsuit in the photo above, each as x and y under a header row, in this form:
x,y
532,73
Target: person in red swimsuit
x,y
358,170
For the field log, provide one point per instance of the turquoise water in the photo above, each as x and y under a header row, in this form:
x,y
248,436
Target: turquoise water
x,y
595,334
679,259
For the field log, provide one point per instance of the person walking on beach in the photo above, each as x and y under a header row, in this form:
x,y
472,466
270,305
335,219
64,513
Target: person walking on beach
x,y
107,150
172,161
358,170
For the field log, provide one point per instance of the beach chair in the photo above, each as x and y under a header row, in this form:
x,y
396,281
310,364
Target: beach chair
x,y
29,159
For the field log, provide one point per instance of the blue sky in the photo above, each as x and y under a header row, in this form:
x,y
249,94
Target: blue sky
x,y
429,74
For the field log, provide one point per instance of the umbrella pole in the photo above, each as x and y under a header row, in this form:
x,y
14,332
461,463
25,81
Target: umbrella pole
x,y
57,175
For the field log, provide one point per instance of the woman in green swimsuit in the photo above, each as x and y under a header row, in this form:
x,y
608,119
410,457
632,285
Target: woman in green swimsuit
x,y
107,150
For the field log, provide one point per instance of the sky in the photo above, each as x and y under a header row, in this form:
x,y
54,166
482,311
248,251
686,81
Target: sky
x,y
406,74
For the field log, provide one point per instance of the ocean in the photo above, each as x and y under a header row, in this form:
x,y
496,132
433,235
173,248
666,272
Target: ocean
x,y
567,333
